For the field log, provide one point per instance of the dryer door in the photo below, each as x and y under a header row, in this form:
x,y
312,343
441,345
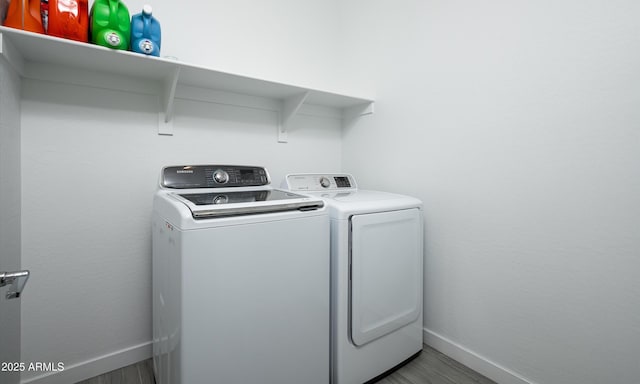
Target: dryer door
x,y
386,273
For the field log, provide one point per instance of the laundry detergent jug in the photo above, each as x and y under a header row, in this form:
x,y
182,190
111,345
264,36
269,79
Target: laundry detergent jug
x,y
24,14
4,6
68,19
145,33
110,25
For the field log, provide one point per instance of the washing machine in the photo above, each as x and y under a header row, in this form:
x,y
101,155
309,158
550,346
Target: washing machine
x,y
240,279
376,276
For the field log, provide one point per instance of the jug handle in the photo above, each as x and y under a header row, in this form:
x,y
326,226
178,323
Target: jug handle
x,y
113,14
146,22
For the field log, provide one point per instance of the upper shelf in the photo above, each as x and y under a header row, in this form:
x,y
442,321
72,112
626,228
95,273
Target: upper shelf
x,y
20,47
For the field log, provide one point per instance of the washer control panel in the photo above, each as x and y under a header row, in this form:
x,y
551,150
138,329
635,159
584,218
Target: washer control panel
x,y
213,176
320,182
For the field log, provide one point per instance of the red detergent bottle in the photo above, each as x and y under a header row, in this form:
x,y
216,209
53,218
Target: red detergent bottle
x,y
68,19
24,14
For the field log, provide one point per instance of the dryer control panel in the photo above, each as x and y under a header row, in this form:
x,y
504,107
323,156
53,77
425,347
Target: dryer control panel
x,y
213,176
314,182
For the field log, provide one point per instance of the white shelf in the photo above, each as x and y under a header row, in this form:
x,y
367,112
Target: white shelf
x,y
30,53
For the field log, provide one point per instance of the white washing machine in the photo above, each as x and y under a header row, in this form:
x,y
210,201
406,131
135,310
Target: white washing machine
x,y
240,279
376,276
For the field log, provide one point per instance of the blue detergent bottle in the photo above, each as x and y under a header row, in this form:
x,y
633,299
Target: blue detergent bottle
x,y
145,33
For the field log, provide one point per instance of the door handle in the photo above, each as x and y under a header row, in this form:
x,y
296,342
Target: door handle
x,y
16,282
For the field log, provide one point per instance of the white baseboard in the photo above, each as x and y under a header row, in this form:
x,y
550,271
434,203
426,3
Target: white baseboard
x,y
478,363
118,359
94,367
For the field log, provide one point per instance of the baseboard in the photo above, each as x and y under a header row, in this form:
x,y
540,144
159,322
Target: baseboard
x,y
478,363
94,367
118,359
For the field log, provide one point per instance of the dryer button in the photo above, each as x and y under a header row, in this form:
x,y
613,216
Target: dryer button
x,y
324,182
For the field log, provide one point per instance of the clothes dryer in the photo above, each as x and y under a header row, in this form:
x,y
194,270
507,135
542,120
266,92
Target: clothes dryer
x,y
240,279
376,275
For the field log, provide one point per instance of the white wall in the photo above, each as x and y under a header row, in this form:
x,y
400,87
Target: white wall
x,y
9,213
517,125
90,164
293,41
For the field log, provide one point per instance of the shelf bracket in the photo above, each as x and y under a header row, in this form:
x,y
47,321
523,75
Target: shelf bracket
x,y
165,117
290,107
358,110
11,54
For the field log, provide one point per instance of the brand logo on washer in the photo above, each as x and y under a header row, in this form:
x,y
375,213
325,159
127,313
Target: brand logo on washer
x,y
184,171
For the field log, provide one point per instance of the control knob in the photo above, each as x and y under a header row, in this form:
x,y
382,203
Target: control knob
x,y
324,182
220,176
220,199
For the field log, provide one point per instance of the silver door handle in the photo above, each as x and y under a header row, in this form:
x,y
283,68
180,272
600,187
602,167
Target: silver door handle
x,y
16,281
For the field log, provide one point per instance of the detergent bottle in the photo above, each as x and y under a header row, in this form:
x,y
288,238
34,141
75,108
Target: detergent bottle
x,y
24,14
145,33
110,25
68,19
4,6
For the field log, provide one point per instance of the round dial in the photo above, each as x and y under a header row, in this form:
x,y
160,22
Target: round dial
x,y
220,199
220,176
324,182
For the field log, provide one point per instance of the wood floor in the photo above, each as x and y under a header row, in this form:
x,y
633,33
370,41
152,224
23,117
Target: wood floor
x,y
430,367
140,373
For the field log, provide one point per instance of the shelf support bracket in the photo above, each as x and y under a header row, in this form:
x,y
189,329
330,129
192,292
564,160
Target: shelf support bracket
x,y
350,115
165,118
290,107
358,110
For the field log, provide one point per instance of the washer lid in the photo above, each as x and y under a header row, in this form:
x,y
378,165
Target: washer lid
x,y
220,203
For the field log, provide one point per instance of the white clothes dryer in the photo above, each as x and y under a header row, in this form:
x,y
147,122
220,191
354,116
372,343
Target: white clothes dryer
x,y
240,279
376,275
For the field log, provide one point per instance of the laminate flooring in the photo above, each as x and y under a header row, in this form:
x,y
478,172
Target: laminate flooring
x,y
139,373
430,367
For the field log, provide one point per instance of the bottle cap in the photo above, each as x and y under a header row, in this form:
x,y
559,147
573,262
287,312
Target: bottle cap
x,y
146,9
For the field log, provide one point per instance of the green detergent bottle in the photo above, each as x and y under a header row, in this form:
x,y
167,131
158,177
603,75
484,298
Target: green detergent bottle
x,y
110,24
